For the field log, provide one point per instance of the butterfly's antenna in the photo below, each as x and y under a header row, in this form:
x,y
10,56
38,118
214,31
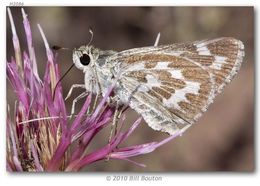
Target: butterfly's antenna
x,y
55,47
92,35
61,79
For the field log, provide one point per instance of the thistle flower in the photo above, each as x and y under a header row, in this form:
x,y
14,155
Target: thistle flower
x,y
40,135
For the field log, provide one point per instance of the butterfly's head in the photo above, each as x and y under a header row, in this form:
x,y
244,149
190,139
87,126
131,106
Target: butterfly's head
x,y
85,57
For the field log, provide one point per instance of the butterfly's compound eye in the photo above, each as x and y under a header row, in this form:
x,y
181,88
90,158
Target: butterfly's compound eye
x,y
84,59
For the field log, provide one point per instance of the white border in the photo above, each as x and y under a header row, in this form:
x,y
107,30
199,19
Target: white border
x,y
91,178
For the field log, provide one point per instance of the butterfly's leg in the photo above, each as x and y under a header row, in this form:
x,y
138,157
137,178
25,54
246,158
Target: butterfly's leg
x,y
93,82
120,110
72,87
82,95
92,109
95,102
118,106
123,109
113,123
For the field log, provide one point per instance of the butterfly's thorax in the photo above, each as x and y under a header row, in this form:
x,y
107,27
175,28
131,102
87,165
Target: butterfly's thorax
x,y
104,75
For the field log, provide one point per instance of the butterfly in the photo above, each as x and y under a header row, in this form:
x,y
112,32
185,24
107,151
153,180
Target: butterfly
x,y
170,86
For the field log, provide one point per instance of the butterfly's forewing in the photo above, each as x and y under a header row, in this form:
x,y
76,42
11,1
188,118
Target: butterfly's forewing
x,y
222,57
172,85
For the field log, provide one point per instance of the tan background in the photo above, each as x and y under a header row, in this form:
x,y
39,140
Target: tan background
x,y
223,139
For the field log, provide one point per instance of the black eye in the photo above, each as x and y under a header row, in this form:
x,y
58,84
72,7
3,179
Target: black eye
x,y
84,59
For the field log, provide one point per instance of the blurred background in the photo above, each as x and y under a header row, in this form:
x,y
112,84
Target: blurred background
x,y
222,140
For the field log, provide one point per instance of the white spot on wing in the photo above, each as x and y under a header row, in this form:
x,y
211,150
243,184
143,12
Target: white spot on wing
x,y
162,65
152,81
179,95
218,62
202,49
177,74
